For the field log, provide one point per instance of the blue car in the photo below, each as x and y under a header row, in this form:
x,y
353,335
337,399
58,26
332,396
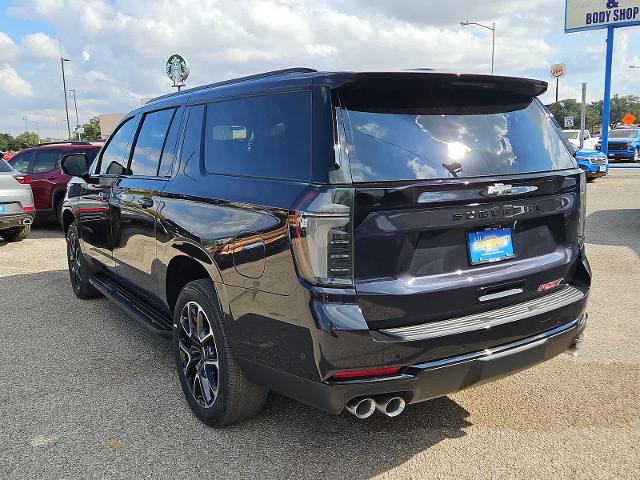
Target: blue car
x,y
624,144
593,162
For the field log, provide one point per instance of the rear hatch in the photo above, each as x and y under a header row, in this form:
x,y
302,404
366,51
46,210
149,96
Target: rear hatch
x,y
467,198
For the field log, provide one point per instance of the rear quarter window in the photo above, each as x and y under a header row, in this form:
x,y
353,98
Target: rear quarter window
x,y
265,136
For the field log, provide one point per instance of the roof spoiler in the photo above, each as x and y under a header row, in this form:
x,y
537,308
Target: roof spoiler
x,y
417,79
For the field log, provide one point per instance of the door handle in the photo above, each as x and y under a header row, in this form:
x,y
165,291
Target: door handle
x,y
145,202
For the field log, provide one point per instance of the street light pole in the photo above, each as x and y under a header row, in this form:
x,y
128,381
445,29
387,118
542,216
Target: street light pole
x,y
493,38
76,107
64,87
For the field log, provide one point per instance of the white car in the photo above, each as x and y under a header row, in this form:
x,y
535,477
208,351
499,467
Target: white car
x,y
16,204
574,137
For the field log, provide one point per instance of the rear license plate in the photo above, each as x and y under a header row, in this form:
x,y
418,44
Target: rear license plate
x,y
490,245
1,209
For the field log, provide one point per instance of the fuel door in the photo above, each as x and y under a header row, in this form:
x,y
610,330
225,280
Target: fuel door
x,y
249,254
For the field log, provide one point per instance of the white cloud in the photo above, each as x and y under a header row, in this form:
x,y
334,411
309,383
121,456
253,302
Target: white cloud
x,y
13,85
118,49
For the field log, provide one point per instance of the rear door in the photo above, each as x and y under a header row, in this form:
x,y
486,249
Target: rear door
x,y
467,199
136,197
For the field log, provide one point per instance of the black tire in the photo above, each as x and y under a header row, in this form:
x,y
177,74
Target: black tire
x,y
591,179
15,234
58,209
198,349
79,272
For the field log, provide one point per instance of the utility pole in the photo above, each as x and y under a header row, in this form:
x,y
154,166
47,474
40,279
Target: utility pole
x,y
76,107
25,123
583,112
64,86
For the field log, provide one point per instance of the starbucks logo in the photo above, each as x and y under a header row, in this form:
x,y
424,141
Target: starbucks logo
x,y
177,69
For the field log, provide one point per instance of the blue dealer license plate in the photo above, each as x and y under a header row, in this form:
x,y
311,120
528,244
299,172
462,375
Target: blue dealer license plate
x,y
491,245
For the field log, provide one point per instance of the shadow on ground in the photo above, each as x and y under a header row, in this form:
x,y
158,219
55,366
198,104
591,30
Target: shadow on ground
x,y
287,440
620,228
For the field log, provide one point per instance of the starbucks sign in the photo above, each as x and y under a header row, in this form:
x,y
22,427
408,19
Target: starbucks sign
x,y
177,69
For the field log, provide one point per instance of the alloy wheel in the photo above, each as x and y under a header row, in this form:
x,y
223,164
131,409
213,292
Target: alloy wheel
x,y
199,355
74,259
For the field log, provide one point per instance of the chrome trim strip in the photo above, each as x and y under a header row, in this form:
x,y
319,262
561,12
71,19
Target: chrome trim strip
x,y
481,321
502,294
502,348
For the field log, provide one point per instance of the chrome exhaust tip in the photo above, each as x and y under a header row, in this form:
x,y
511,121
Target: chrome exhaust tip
x,y
390,405
362,407
27,221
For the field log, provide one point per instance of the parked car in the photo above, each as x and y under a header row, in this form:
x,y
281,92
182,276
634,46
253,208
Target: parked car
x,y
355,241
574,137
42,164
16,204
624,144
594,163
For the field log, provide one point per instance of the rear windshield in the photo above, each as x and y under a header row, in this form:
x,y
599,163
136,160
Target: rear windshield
x,y
5,167
450,135
623,134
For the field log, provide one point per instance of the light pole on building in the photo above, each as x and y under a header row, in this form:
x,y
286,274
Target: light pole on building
x,y
493,38
75,105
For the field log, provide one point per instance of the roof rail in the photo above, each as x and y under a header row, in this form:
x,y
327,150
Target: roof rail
x,y
62,142
232,81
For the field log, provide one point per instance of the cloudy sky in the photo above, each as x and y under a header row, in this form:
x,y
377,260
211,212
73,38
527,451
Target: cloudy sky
x,y
118,48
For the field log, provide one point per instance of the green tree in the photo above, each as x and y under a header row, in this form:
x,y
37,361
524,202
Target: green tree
x,y
92,130
6,142
620,106
25,140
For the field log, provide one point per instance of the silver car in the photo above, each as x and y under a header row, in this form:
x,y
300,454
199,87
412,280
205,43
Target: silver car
x,y
16,204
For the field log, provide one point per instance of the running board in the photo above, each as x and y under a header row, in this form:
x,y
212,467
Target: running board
x,y
149,316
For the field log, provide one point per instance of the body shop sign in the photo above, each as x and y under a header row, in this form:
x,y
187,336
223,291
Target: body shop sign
x,y
589,14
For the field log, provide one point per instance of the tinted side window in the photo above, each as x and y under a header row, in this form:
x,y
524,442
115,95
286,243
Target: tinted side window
x,y
168,157
267,136
150,142
116,153
46,160
21,162
191,145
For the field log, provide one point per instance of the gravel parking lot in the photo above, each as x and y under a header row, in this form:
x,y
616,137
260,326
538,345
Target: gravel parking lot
x,y
87,393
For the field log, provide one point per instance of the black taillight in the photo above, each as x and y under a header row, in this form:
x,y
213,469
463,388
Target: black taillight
x,y
321,234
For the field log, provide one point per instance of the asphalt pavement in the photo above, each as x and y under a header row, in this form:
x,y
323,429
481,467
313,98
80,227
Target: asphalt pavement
x,y
85,392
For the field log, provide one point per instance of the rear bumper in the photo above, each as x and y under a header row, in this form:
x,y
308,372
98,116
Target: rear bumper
x,y
11,221
427,380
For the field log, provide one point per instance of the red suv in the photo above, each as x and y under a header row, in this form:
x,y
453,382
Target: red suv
x,y
42,164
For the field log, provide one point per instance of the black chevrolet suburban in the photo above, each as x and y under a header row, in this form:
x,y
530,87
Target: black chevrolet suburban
x,y
358,241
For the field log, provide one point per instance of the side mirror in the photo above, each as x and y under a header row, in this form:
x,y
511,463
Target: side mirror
x,y
75,164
